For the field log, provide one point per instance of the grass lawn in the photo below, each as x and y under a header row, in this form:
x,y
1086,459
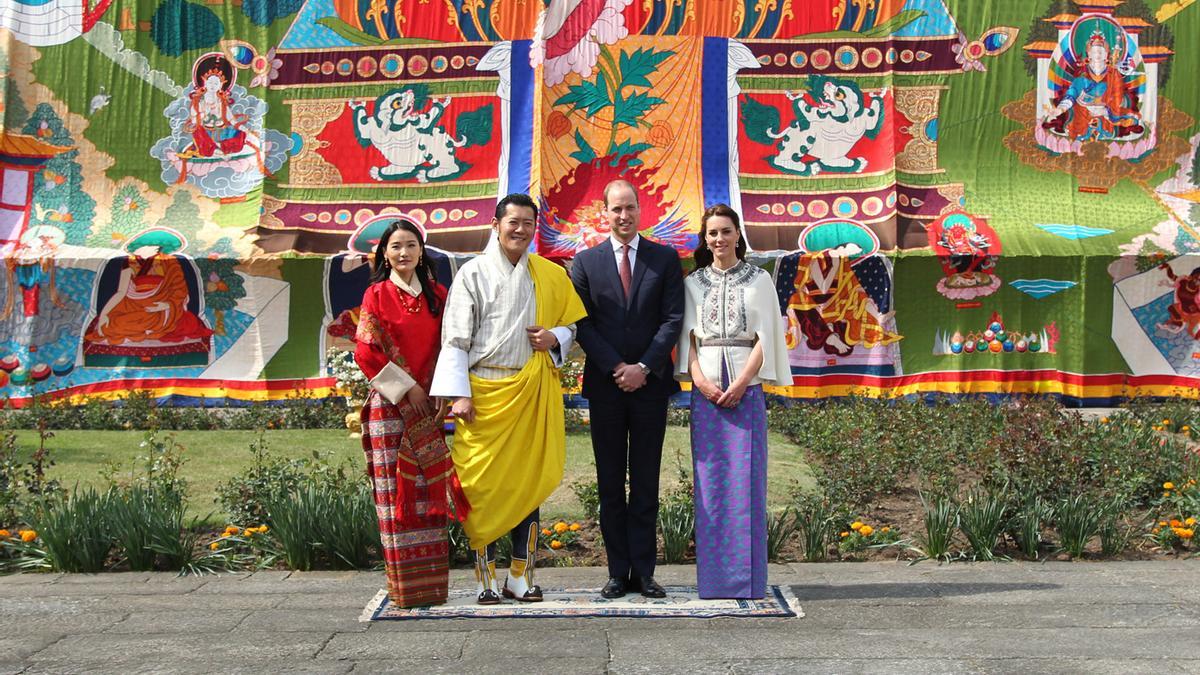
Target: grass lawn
x,y
80,457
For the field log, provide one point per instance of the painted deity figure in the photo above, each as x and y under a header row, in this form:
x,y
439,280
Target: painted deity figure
x,y
968,251
218,142
1184,312
830,307
31,266
214,129
150,304
1099,103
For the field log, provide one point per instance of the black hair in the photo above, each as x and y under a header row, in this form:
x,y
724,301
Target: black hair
x,y
516,199
702,256
382,269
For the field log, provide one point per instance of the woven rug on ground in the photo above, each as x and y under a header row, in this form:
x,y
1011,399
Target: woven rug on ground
x,y
681,601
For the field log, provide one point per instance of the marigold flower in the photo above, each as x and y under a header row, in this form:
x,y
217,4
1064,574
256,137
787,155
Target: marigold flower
x,y
844,534
885,528
1186,533
546,531
556,544
1185,428
1156,530
215,545
28,535
1103,420
856,526
866,530
560,527
1168,485
231,530
263,529
5,534
1190,522
1166,422
1176,523
575,527
1162,523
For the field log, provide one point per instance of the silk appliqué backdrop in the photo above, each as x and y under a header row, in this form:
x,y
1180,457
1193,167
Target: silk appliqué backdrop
x,y
952,197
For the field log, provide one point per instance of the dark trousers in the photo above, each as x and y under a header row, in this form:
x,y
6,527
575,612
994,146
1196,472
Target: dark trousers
x,y
519,536
627,439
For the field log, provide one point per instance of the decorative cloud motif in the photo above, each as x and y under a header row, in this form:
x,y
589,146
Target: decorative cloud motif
x,y
1041,288
1075,232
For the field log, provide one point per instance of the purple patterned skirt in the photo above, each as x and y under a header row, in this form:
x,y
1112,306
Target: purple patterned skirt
x,y
729,458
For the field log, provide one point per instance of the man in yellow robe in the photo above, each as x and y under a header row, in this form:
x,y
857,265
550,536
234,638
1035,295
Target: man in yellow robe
x,y
508,324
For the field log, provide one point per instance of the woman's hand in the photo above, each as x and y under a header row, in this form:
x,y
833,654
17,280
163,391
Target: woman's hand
x,y
463,409
420,400
707,389
733,395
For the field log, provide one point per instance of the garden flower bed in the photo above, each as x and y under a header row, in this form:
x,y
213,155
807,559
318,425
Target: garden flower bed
x,y
962,481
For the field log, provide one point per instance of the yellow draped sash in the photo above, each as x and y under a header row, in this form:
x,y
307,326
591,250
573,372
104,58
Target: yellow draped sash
x,y
511,457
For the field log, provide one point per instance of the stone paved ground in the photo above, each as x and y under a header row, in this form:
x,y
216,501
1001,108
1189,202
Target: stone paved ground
x,y
1108,617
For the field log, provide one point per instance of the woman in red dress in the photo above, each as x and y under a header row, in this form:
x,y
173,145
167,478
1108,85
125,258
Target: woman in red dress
x,y
398,336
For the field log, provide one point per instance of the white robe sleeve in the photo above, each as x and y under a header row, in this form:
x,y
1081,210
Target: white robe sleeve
x,y
770,330
691,321
451,377
392,383
566,339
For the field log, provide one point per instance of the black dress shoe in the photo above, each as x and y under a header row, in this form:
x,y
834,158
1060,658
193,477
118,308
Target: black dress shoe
x,y
615,588
487,597
651,588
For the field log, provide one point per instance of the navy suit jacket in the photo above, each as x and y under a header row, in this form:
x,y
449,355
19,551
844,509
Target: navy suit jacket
x,y
644,329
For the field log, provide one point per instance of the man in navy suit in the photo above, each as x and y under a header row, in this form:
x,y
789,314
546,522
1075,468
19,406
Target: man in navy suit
x,y
633,291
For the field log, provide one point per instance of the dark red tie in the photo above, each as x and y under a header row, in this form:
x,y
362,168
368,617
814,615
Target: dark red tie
x,y
626,270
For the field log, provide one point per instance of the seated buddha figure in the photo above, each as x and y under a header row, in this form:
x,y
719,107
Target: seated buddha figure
x,y
148,313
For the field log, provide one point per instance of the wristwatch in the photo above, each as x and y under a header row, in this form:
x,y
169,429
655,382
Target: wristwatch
x,y
645,368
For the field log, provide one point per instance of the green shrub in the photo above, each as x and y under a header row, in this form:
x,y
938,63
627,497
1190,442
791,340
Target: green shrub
x,y
1025,526
460,546
350,531
75,530
941,520
981,519
1077,519
677,515
781,527
324,524
143,522
1114,532
677,524
140,410
588,494
244,496
814,519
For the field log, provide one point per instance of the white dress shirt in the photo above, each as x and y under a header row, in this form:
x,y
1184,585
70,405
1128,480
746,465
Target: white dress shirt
x,y
633,247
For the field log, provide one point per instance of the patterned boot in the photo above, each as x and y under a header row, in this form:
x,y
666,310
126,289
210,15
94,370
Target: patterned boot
x,y
485,575
519,586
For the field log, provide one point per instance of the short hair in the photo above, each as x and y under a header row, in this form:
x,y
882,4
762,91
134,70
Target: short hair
x,y
621,182
516,199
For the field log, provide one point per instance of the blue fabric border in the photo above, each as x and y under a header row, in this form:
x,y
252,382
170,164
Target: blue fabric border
x,y
520,128
714,130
